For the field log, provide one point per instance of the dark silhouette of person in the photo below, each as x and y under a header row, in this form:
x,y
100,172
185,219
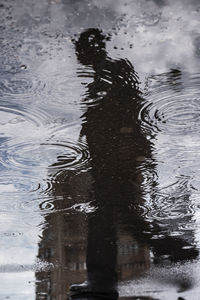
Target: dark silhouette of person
x,y
120,151
116,145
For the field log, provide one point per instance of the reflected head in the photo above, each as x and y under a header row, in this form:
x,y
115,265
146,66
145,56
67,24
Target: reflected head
x,y
90,47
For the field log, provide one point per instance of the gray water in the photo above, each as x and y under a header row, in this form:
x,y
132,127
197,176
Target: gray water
x,y
100,160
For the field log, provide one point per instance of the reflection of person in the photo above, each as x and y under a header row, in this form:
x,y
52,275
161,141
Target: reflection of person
x,y
116,144
119,149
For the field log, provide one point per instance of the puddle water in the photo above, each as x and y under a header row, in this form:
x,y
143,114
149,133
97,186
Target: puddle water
x,y
99,152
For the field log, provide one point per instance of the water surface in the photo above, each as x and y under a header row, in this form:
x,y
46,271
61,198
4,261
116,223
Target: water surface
x,y
99,131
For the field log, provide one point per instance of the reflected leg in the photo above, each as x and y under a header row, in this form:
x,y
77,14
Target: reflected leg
x,y
101,257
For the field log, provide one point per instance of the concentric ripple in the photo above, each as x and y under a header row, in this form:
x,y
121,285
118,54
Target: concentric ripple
x,y
43,205
23,184
171,203
173,105
15,114
20,86
19,205
50,155
67,84
52,205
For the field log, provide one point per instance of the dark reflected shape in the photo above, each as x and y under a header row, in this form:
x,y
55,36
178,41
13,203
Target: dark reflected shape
x,y
90,48
116,144
119,152
173,248
174,79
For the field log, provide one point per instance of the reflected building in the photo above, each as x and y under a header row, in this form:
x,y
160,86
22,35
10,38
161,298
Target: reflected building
x,y
65,250
64,240
133,259
64,247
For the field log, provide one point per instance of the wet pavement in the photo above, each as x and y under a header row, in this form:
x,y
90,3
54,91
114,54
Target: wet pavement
x,y
99,152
